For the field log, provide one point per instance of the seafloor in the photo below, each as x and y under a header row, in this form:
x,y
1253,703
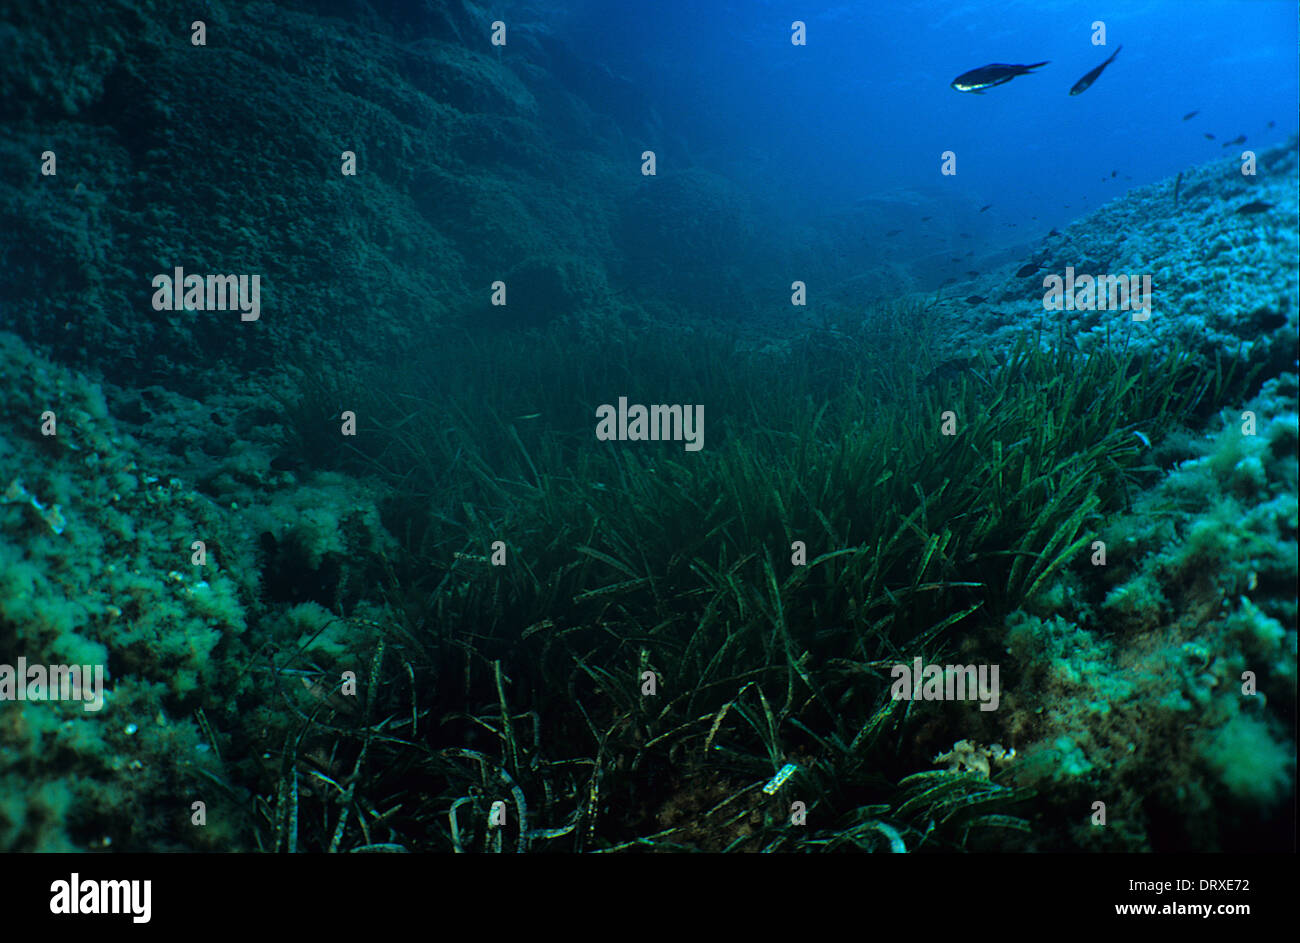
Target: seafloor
x,y
348,669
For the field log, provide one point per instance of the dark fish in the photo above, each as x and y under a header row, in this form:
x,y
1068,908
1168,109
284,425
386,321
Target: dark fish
x,y
1081,86
1114,174
1272,123
1026,270
1053,233
1241,139
985,207
1178,183
893,232
1255,206
975,300
972,274
996,73
286,462
955,258
964,235
1209,136
926,219
1190,115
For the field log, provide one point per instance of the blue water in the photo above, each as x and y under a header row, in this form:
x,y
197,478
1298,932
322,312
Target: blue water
x,y
856,120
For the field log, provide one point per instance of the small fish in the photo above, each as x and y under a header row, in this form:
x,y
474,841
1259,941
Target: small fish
x,y
1178,183
1114,174
1272,124
972,274
1053,233
975,300
1241,139
1081,86
286,461
1253,207
1190,115
926,219
964,235
893,232
1026,270
955,258
985,207
988,76
1209,136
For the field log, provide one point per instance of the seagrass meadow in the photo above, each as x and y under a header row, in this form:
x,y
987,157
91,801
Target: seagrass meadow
x,y
363,573
662,561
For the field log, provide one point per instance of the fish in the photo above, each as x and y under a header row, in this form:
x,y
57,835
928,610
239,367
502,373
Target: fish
x,y
1190,115
985,207
1241,139
972,274
1081,86
988,76
926,219
964,235
1114,174
893,232
1209,136
1178,183
1253,207
975,300
1028,269
1272,124
1054,233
